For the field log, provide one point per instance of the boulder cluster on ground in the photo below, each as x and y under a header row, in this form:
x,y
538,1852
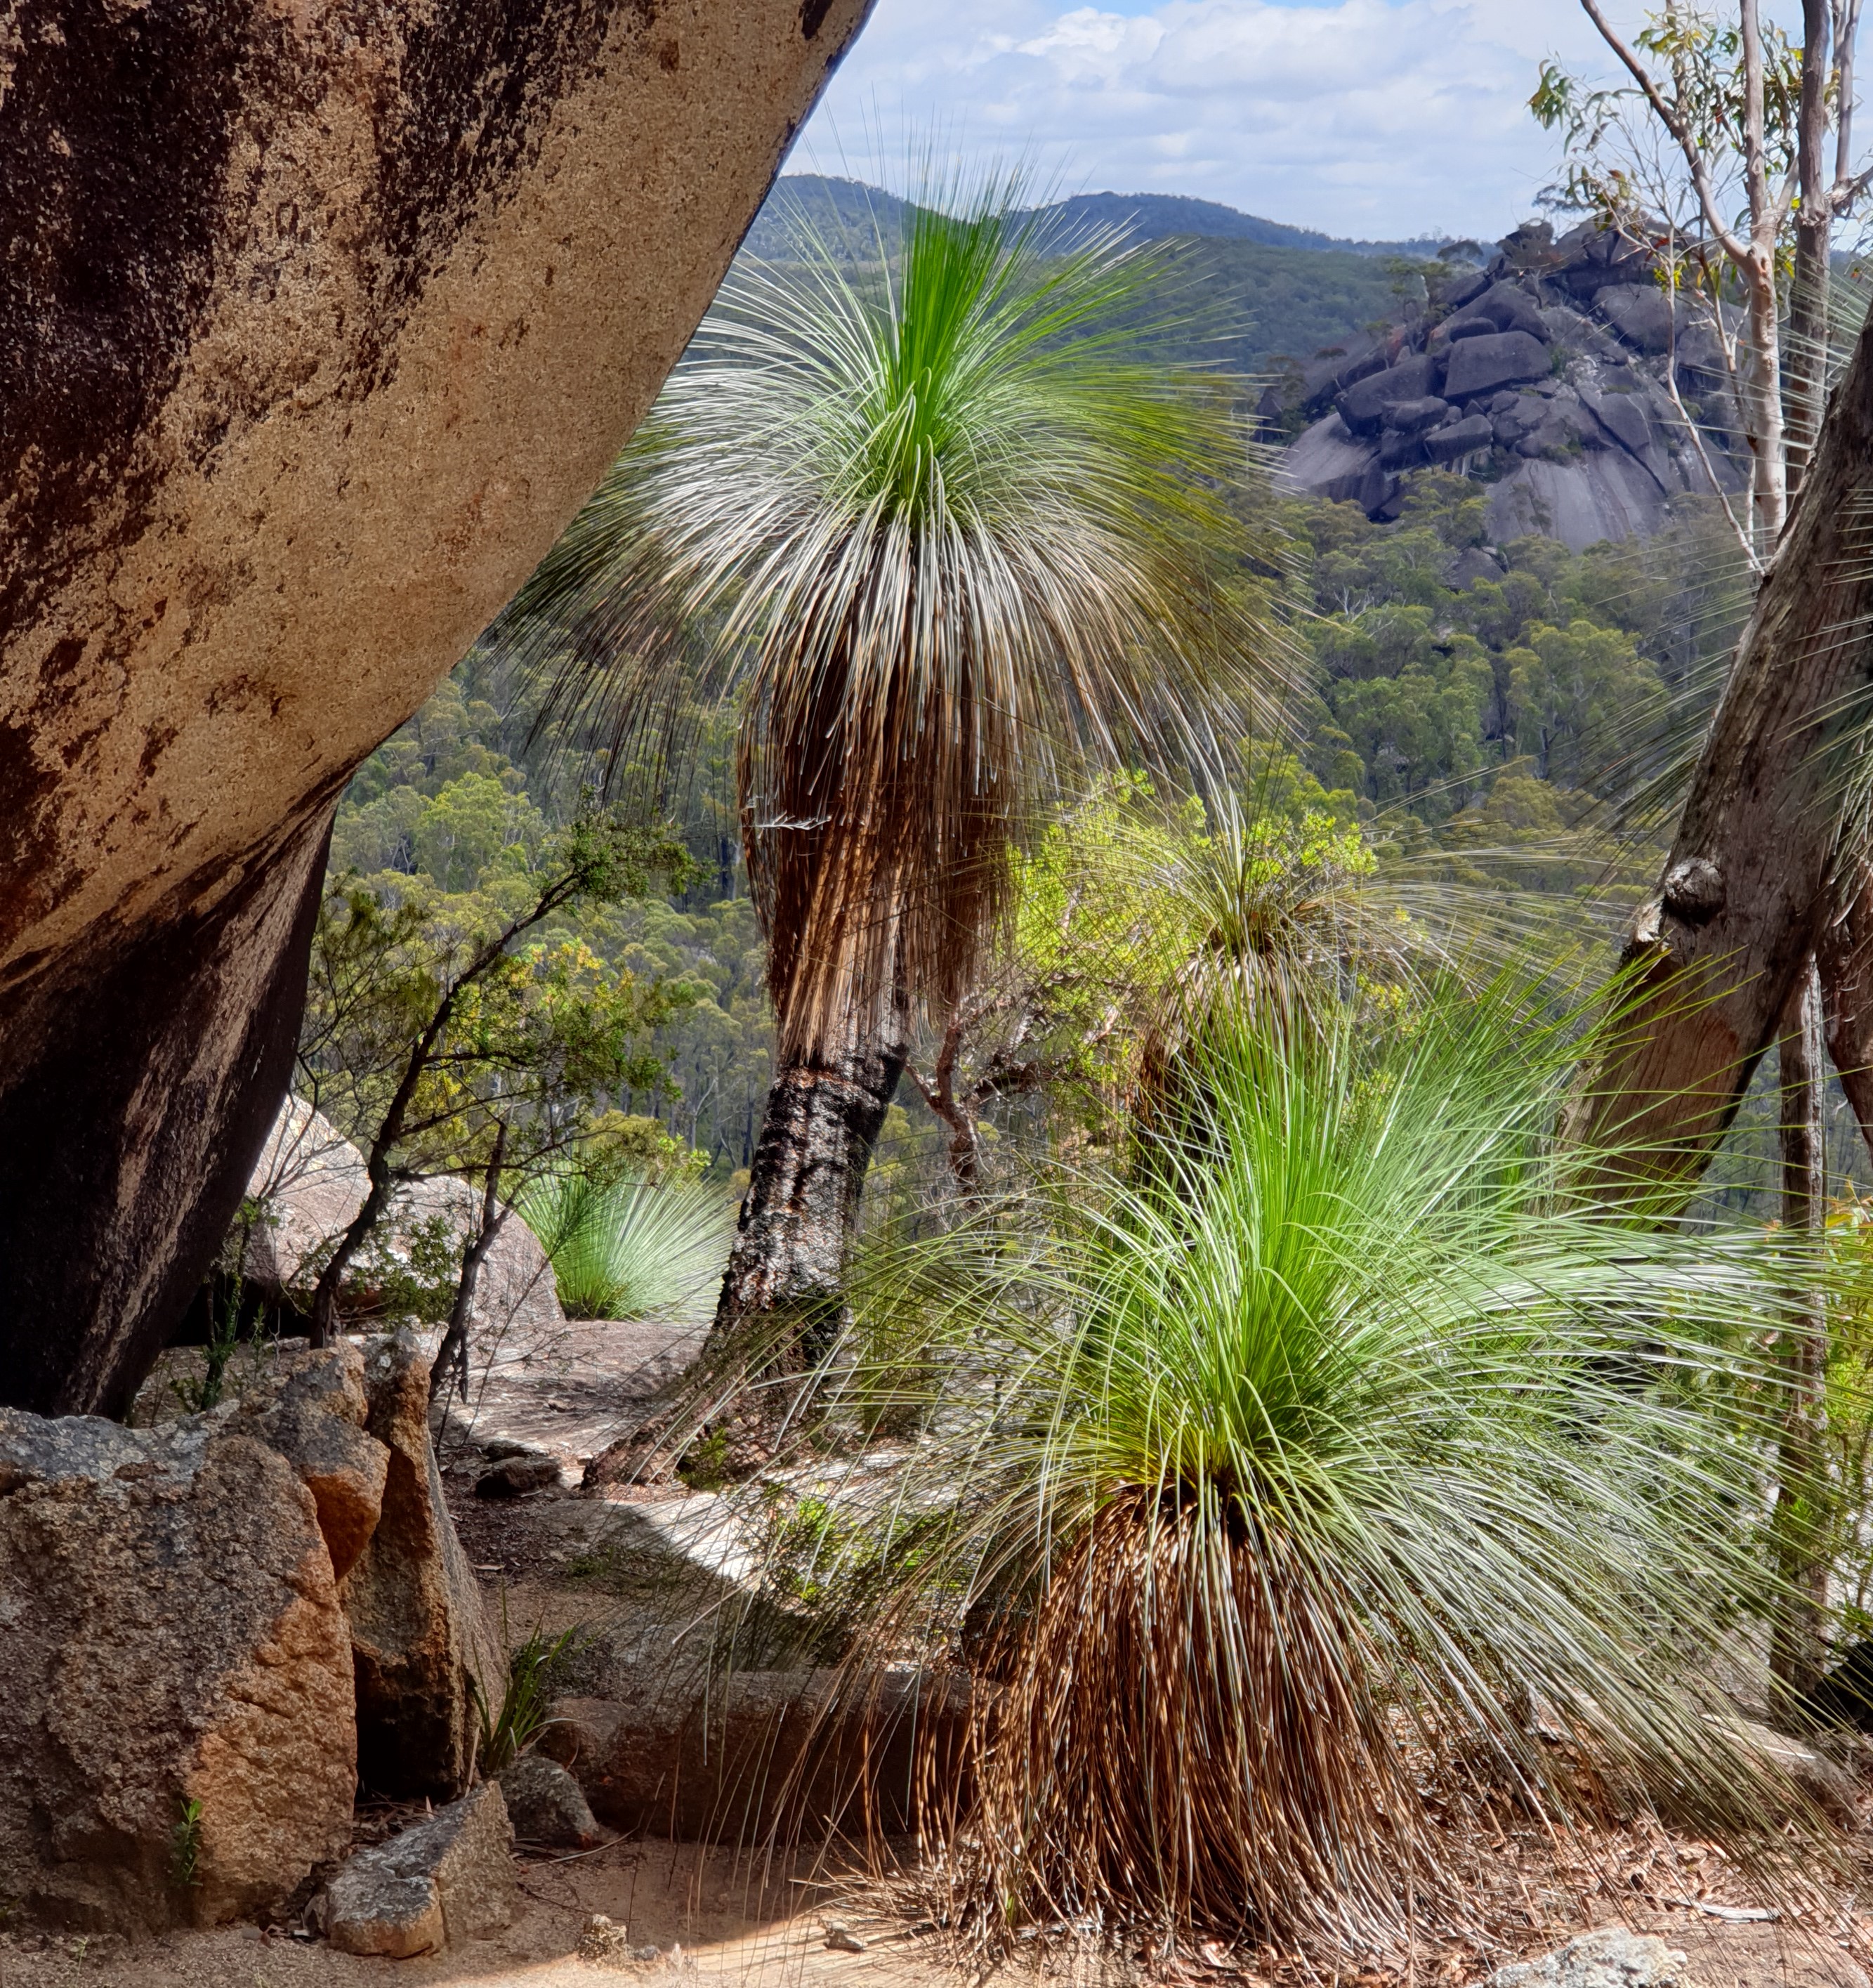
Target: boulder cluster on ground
x,y
211,1627
310,1181
1547,374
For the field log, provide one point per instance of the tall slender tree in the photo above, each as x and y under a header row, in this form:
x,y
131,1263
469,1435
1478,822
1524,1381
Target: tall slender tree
x,y
952,530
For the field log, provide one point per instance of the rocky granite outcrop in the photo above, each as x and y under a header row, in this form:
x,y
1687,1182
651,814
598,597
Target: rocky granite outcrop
x,y
320,322
421,1640
1546,376
173,1637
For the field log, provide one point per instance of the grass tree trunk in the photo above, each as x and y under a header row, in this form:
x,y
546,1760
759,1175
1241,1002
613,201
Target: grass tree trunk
x,y
782,1295
1797,1648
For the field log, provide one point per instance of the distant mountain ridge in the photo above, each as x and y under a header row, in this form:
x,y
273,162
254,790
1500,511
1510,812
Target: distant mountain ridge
x,y
847,213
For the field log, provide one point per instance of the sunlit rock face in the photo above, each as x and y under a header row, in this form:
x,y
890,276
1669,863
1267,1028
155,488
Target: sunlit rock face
x,y
320,322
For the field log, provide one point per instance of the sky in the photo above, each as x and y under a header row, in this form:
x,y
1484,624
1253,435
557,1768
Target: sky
x,y
1377,119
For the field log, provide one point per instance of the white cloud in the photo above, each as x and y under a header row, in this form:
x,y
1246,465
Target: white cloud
x,y
1376,118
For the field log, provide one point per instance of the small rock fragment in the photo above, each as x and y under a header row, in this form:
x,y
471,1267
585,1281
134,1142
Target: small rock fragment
x,y
443,1880
516,1475
605,1940
1612,1957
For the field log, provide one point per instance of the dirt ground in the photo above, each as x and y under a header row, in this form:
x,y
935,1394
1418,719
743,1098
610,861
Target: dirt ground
x,y
712,1920
552,1560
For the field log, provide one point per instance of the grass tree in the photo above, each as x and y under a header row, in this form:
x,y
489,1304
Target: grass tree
x,y
1337,1483
952,533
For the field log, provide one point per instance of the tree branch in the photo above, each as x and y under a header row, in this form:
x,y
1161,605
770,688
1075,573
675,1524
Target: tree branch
x,y
1700,178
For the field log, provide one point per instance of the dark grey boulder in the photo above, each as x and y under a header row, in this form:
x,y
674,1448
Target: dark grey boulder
x,y
1409,417
1454,292
1623,416
1472,324
546,1805
1509,307
1459,438
1521,415
1363,406
1480,365
1643,318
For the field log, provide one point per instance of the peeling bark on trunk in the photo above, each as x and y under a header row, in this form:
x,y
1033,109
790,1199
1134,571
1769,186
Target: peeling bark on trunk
x,y
782,1297
1745,893
320,323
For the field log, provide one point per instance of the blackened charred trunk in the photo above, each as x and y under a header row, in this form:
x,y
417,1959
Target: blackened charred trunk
x,y
782,1297
131,1114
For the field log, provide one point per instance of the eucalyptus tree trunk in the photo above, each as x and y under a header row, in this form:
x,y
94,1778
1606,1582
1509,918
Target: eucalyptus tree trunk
x,y
1798,1646
1747,890
782,1297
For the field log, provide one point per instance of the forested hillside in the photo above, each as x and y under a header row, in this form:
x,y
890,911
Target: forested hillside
x,y
1467,697
1254,293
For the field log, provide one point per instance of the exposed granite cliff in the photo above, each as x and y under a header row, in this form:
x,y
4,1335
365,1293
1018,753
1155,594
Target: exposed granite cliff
x,y
1545,375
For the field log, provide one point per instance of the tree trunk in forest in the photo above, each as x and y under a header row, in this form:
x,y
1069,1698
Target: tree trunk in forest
x,y
782,1297
1798,1646
320,322
1717,953
1843,953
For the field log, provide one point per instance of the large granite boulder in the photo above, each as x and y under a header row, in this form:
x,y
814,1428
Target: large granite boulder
x,y
1499,359
422,1643
320,322
310,1182
177,1740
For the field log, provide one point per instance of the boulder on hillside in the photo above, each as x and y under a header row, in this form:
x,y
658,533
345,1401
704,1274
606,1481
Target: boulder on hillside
x,y
177,1740
1364,405
442,1881
1502,358
421,1640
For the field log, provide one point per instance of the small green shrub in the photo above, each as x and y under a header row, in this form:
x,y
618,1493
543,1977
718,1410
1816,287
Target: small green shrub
x,y
185,1845
509,1731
